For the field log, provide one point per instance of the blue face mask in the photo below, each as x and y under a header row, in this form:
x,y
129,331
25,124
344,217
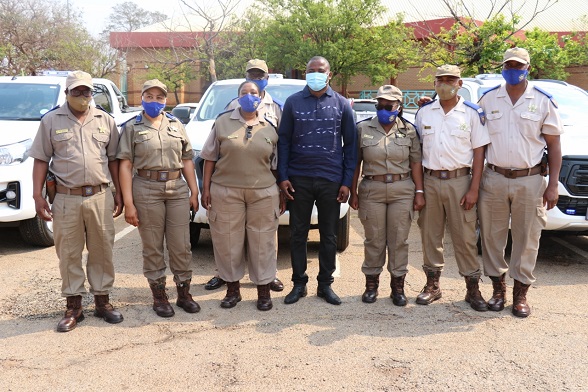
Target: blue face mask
x,y
316,81
514,76
261,84
249,103
387,117
153,109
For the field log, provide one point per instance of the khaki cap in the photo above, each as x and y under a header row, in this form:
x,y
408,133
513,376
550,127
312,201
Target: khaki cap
x,y
78,78
448,70
154,83
389,92
517,54
256,64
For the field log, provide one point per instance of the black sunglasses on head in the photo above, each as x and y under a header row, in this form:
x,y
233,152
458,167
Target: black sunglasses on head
x,y
248,133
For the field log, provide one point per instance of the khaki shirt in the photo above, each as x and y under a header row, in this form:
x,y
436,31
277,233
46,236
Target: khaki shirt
x,y
268,108
390,153
150,148
78,154
242,162
449,139
516,131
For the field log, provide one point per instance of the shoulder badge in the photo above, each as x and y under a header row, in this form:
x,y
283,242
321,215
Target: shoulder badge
x,y
546,94
405,121
487,91
221,113
229,104
278,102
364,120
270,122
478,110
104,110
50,110
170,116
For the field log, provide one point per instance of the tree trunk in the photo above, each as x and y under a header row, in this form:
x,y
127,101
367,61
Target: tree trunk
x,y
212,69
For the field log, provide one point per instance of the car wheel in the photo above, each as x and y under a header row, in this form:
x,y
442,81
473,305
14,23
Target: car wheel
x,y
343,233
36,231
194,234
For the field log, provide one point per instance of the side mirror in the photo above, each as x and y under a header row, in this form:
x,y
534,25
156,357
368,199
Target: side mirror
x,y
182,114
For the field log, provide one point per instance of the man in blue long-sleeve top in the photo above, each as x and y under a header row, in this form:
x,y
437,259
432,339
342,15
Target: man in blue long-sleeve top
x,y
317,154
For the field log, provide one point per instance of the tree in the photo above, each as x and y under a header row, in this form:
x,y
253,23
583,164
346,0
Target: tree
x,y
548,59
477,46
576,45
173,69
128,16
343,31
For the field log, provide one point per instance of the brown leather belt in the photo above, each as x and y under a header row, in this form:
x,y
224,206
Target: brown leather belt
x,y
388,178
448,174
159,175
85,191
510,173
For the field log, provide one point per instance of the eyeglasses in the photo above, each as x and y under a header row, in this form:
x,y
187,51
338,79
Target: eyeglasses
x,y
387,107
77,93
248,134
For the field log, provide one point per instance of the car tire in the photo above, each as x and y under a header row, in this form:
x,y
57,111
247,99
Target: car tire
x,y
36,231
343,233
194,234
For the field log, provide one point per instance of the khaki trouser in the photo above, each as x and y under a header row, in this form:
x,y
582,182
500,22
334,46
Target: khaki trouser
x,y
442,205
518,201
385,210
244,216
163,209
81,220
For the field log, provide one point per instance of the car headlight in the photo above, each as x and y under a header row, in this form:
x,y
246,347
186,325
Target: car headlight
x,y
16,153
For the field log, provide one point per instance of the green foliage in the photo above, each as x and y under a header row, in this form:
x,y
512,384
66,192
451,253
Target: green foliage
x,y
173,70
548,59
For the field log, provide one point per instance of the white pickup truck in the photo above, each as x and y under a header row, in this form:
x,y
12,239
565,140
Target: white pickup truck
x,y
23,100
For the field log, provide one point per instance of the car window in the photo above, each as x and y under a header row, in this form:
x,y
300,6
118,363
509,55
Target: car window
x,y
102,98
465,93
26,101
571,101
364,107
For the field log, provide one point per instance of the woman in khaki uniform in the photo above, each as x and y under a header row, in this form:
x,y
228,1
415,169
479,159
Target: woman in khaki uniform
x,y
156,199
241,196
391,155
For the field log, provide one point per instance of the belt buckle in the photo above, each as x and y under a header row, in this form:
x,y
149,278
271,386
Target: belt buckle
x,y
87,190
444,174
162,175
510,174
388,178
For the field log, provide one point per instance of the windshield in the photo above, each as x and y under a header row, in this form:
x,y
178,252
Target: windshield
x,y
20,101
219,96
571,102
364,106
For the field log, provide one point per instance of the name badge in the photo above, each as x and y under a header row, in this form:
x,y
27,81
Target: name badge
x,y
427,127
495,111
368,136
143,132
61,131
172,128
232,137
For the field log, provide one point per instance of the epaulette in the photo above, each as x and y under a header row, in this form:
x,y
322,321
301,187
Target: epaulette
x,y
138,118
50,110
405,121
423,105
279,103
170,116
104,110
229,104
271,122
491,89
546,94
221,113
478,110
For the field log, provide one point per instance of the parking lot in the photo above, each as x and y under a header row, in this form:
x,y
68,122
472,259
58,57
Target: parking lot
x,y
310,345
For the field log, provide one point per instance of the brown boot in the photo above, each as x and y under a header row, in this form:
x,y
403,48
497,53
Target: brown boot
x,y
264,301
372,282
105,310
73,315
233,295
432,291
496,303
160,303
473,295
185,300
397,286
520,308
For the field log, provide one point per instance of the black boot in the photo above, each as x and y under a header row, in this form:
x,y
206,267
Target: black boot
x,y
264,301
432,291
185,300
397,286
372,282
105,310
160,303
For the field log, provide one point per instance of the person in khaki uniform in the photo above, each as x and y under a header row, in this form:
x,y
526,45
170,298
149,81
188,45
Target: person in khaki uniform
x,y
454,138
256,71
156,199
242,197
78,143
390,151
522,121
